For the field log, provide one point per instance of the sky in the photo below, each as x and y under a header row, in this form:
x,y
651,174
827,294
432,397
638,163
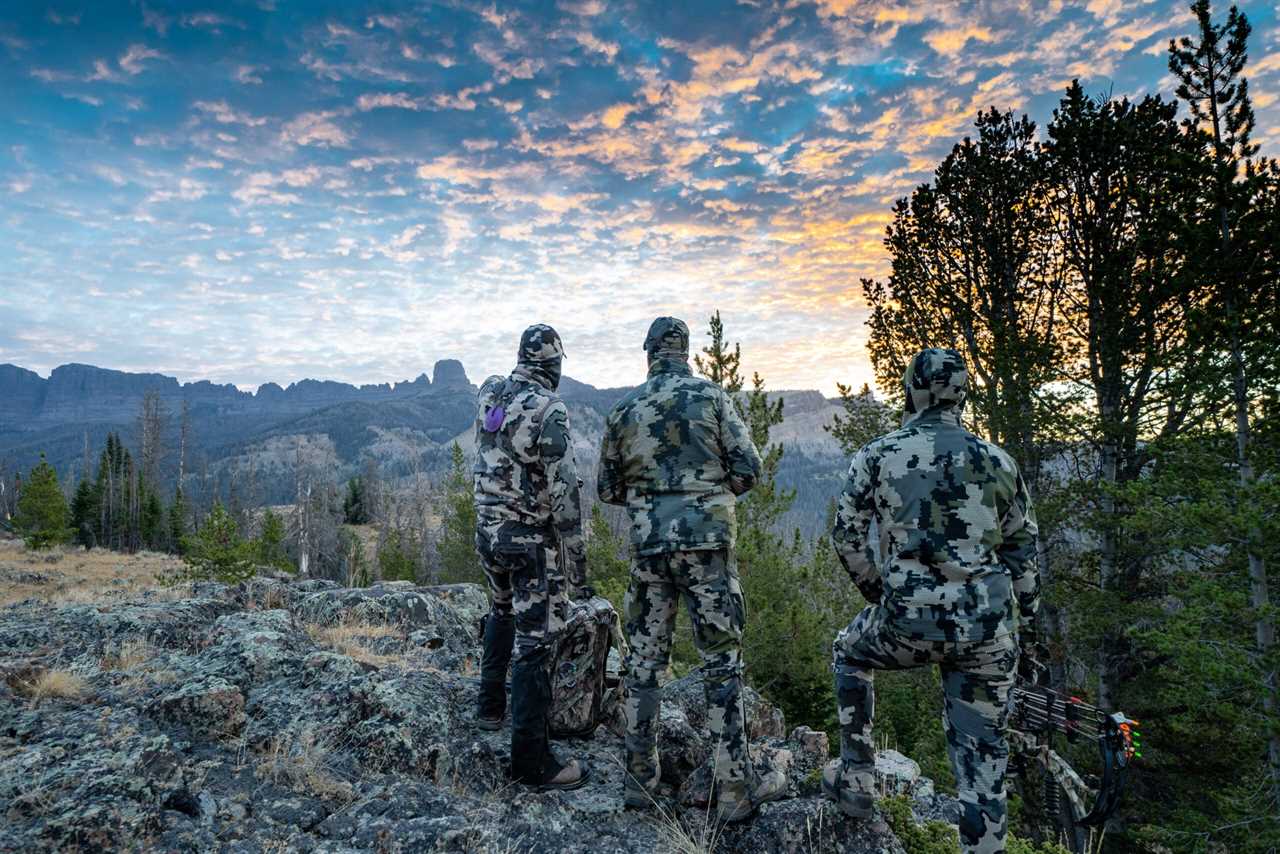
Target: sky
x,y
266,191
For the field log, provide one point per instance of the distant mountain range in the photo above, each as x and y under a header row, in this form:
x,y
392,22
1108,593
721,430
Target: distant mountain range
x,y
341,428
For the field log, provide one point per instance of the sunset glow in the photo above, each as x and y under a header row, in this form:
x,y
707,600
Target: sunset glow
x,y
270,191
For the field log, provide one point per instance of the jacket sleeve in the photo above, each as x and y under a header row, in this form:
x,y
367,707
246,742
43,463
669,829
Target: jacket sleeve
x,y
1017,552
852,533
611,486
555,449
741,459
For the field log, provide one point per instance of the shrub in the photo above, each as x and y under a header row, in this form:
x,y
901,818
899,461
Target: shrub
x,y
218,552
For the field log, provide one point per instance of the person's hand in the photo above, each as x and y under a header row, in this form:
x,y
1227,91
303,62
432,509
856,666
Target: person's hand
x,y
1032,654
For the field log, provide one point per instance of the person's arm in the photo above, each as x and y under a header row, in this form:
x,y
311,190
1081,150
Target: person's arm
x,y
1017,553
611,485
741,459
852,533
555,448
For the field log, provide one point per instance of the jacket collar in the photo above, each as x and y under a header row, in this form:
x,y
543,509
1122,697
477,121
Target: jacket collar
x,y
531,374
662,364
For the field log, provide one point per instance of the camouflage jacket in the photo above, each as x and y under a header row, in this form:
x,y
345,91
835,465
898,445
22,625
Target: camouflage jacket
x,y
676,453
525,472
955,528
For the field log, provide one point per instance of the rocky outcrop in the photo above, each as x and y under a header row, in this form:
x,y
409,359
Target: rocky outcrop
x,y
449,375
306,717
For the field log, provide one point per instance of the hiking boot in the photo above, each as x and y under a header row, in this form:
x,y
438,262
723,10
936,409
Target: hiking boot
x,y
769,786
490,724
836,785
638,795
571,776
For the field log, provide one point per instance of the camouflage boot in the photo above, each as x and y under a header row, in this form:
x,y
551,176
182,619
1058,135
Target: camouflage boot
x,y
499,635
850,780
739,802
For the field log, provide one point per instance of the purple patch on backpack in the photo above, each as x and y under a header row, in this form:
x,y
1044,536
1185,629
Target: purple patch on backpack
x,y
493,419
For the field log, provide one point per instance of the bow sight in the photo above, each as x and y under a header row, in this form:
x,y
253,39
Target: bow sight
x,y
1038,714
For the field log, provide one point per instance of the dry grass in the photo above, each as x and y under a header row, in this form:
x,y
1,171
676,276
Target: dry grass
x,y
302,763
50,684
71,575
352,640
130,654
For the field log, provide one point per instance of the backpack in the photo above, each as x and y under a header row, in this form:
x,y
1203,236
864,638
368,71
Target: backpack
x,y
584,693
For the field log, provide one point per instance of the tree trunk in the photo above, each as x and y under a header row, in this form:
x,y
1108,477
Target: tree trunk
x,y
1107,562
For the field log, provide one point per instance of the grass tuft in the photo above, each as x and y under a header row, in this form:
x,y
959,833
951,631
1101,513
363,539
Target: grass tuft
x,y
303,764
51,684
352,640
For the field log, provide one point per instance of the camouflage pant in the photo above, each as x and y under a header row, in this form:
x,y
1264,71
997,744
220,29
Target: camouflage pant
x,y
707,580
525,579
976,679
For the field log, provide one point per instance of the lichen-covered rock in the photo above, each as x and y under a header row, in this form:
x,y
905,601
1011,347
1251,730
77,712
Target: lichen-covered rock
x,y
212,708
764,720
301,716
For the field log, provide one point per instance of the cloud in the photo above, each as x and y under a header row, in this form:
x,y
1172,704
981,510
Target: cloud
x,y
248,75
210,21
386,100
110,174
132,62
261,188
188,190
952,41
224,113
316,128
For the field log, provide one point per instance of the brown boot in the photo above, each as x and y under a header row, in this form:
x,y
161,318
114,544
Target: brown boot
x,y
571,776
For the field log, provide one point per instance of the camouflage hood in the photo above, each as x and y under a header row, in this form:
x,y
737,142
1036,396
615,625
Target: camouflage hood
x,y
667,343
935,381
540,355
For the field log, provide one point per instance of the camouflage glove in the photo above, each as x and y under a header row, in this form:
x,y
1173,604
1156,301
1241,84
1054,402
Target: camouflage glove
x,y
871,590
1031,652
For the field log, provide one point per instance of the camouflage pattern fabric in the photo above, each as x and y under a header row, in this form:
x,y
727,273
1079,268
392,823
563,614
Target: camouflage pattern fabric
x,y
977,677
578,663
955,528
525,472
676,453
524,580
707,580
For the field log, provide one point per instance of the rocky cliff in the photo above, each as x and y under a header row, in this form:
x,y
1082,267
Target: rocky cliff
x,y
277,716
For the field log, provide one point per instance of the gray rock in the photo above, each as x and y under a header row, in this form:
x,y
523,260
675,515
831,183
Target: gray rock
x,y
249,728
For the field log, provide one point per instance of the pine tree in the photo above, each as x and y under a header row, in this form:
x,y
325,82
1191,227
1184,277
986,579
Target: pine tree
x,y
458,558
179,512
608,566
354,505
217,551
84,514
269,545
41,516
1242,318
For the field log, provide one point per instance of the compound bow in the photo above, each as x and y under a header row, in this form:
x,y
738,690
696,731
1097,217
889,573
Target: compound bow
x,y
1038,714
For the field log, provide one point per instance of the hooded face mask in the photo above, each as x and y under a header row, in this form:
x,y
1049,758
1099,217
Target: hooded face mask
x,y
935,380
541,353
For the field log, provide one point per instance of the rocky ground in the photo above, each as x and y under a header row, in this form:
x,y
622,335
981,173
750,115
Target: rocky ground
x,y
297,716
